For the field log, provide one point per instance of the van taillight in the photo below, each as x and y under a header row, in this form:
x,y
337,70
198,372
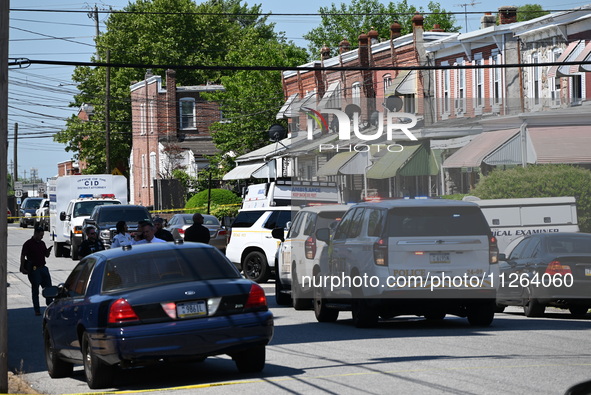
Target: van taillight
x,y
310,247
555,267
493,250
120,312
380,252
222,232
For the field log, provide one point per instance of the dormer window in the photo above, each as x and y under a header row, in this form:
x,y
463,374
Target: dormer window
x,y
187,113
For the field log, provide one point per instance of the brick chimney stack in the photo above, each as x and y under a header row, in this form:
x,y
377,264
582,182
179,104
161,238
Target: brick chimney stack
x,y
324,52
362,51
395,30
508,14
487,20
437,28
171,114
344,45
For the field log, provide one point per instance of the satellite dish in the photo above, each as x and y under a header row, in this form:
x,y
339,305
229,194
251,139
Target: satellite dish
x,y
393,103
352,109
277,132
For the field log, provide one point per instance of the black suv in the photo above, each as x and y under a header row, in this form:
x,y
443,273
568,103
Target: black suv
x,y
105,218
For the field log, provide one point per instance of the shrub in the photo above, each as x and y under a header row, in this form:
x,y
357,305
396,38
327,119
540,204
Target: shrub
x,y
219,197
541,181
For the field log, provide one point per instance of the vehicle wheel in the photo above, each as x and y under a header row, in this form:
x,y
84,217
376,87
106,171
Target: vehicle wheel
x,y
481,314
23,224
299,303
251,360
499,308
255,267
281,298
73,249
531,306
56,367
98,374
578,311
363,315
58,249
323,313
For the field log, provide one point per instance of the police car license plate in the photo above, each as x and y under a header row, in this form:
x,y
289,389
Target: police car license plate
x,y
440,257
191,309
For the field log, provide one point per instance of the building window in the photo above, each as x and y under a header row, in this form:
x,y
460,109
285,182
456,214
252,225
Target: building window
x,y
576,89
536,78
461,88
554,82
143,119
387,83
187,116
496,85
446,95
409,103
153,168
144,172
152,118
356,93
478,81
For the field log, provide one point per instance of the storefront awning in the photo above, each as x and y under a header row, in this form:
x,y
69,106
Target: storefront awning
x,y
331,97
284,109
243,172
473,153
562,144
568,55
403,84
334,164
584,56
413,160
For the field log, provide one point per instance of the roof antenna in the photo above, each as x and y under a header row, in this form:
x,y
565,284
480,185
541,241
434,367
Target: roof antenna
x,y
465,5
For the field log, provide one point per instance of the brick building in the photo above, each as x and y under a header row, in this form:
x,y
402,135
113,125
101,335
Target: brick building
x,y
171,130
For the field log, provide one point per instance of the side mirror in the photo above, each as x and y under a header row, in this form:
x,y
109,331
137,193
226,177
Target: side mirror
x,y
50,292
323,234
63,216
278,233
502,257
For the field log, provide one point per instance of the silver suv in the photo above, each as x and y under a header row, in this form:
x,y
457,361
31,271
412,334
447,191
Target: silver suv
x,y
251,246
428,257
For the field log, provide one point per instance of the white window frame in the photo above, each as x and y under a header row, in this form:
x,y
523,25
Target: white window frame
x,y
153,168
554,82
478,78
460,79
183,116
496,81
356,93
387,79
144,171
536,80
152,118
143,119
445,90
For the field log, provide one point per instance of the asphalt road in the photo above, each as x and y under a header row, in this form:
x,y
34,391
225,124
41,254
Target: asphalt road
x,y
515,355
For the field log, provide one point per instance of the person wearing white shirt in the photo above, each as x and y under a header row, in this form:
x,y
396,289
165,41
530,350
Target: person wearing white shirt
x,y
145,234
122,238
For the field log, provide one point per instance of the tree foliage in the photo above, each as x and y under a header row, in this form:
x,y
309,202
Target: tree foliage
x,y
530,11
178,32
541,181
350,20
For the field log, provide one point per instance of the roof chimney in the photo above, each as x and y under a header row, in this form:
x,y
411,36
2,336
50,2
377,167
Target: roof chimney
x,y
395,30
417,20
437,28
487,20
373,36
344,45
508,14
324,52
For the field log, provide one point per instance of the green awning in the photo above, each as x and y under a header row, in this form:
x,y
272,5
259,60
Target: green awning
x,y
413,160
331,168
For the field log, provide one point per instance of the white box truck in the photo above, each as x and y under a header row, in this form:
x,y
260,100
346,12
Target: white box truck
x,y
72,199
290,193
511,219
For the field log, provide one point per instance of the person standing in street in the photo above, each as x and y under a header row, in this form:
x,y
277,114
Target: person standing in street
x,y
197,232
91,244
33,264
162,233
145,234
122,238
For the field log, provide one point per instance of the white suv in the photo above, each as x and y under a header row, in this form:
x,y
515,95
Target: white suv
x,y
426,257
300,253
251,246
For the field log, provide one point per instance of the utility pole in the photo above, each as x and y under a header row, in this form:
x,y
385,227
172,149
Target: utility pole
x,y
15,148
107,116
4,30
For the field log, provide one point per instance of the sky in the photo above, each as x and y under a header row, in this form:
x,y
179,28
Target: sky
x,y
39,95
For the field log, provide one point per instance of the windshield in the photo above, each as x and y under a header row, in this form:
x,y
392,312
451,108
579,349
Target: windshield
x,y
84,209
32,204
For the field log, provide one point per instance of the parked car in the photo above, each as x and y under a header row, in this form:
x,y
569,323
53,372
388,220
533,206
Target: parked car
x,y
9,216
424,257
178,223
300,252
547,269
42,215
28,211
105,217
251,247
142,304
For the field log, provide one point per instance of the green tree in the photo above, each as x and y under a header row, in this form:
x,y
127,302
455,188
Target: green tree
x,y
171,32
541,181
530,11
350,20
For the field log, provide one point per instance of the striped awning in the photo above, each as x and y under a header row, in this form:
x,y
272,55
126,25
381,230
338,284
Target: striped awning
x,y
566,56
584,56
403,84
562,144
474,153
412,160
242,172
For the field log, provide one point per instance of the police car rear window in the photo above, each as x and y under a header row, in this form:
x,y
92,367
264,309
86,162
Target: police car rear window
x,y
437,221
245,219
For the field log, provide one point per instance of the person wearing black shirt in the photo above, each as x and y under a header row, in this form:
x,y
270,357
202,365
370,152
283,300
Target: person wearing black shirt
x,y
33,256
197,232
91,244
162,233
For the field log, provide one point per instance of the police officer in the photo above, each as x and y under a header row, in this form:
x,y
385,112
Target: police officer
x,y
33,256
91,244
